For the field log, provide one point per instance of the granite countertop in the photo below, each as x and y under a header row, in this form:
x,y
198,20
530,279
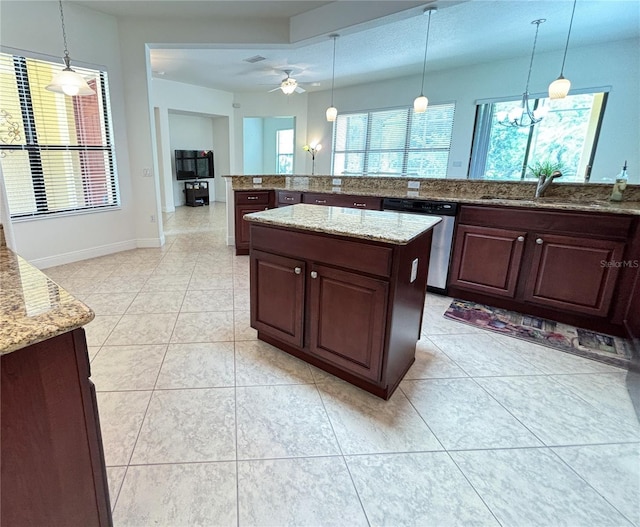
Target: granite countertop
x,y
593,197
33,308
390,227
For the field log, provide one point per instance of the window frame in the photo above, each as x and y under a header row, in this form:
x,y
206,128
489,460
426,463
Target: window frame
x,y
482,132
288,155
35,149
405,150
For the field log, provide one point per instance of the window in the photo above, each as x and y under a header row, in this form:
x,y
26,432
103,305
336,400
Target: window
x,y
567,135
284,151
56,151
394,142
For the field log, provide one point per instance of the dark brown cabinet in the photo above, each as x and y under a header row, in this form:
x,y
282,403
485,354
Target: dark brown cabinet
x,y
245,203
555,264
196,193
52,463
570,273
487,259
351,307
287,197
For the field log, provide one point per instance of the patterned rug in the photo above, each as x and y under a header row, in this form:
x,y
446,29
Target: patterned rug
x,y
598,346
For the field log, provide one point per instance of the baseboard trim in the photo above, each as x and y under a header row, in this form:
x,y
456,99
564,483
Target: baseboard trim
x,y
83,254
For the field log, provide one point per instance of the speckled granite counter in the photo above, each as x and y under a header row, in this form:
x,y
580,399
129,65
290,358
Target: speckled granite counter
x,y
389,227
592,197
33,308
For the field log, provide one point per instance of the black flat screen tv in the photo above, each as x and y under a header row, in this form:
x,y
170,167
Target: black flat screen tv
x,y
194,164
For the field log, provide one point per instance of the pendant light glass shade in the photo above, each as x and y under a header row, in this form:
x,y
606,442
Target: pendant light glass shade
x,y
332,111
421,102
559,88
68,81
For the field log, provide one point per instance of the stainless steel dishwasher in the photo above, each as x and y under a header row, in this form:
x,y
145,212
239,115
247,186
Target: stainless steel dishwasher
x,y
442,243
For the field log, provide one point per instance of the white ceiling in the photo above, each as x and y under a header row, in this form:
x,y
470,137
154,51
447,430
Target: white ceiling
x,y
462,33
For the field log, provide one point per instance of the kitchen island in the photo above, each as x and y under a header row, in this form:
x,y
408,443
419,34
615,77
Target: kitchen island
x,y
51,456
342,289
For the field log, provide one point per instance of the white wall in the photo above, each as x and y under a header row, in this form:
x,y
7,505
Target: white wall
x,y
614,64
252,146
92,39
272,105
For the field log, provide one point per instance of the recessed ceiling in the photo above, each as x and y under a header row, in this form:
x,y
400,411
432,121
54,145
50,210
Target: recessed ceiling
x,y
462,33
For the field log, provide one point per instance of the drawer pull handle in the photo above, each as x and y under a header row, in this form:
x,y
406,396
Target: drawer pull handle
x,y
252,197
288,198
539,241
355,204
520,238
314,274
297,270
321,201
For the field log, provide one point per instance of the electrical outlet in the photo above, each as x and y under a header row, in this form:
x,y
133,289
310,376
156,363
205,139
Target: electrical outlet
x,y
257,180
146,172
336,181
457,164
413,184
153,218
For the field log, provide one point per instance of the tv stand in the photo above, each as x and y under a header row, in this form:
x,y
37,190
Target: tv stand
x,y
196,193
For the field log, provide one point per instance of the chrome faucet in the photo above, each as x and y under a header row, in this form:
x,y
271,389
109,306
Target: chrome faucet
x,y
544,181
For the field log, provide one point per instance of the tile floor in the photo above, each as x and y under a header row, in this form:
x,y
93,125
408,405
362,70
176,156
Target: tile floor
x,y
205,425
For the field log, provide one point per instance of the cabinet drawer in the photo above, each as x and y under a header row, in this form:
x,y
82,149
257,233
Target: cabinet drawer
x,y
260,197
359,256
288,198
343,200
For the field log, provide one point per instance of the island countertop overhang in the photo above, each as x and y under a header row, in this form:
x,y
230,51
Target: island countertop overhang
x,y
382,226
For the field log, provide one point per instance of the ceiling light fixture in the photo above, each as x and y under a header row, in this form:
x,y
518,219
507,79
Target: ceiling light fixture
x,y
523,116
559,88
68,81
288,85
421,102
332,111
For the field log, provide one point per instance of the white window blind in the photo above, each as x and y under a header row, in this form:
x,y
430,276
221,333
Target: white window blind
x,y
395,142
56,151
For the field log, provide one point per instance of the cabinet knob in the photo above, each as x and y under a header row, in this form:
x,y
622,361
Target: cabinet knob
x,y
297,270
520,238
539,241
314,274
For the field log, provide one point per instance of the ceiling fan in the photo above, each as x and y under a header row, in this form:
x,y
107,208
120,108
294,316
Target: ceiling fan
x,y
289,85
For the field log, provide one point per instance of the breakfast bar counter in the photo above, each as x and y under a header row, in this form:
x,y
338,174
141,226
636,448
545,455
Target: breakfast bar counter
x,y
342,289
51,456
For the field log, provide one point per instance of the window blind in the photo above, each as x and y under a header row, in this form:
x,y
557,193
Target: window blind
x,y
394,142
56,151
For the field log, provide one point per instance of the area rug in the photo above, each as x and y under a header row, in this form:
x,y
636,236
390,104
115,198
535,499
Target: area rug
x,y
589,344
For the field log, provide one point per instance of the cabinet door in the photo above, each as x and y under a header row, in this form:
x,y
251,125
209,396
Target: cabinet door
x,y
574,274
487,260
277,296
347,315
242,227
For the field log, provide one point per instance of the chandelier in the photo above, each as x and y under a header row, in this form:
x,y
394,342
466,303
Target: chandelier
x,y
524,116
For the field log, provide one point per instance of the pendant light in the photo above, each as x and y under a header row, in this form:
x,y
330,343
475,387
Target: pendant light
x,y
332,111
559,88
524,116
68,81
421,102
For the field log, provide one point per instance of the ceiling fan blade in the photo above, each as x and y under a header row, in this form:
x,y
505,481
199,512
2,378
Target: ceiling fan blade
x,y
275,89
299,89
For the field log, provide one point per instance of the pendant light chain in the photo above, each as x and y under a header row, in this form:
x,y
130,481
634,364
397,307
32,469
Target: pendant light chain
x,y
566,47
333,70
426,47
64,36
533,52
